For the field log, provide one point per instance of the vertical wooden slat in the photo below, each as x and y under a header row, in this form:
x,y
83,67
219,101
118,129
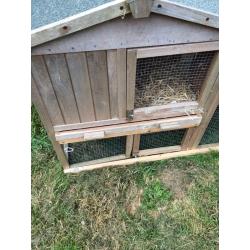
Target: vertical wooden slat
x,y
129,145
78,70
193,135
113,82
121,77
98,74
44,85
42,110
136,145
60,78
131,75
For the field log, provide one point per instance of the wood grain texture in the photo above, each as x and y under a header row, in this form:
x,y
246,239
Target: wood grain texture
x,y
45,88
131,33
209,81
136,145
161,150
59,75
98,73
131,75
43,114
140,8
129,145
142,114
130,128
113,82
126,162
177,49
177,10
78,70
78,22
103,160
122,85
193,135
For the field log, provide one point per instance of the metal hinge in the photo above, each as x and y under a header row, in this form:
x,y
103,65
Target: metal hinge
x,y
130,114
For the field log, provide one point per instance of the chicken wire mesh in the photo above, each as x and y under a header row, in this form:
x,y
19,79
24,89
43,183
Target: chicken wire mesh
x,y
161,139
97,149
211,134
175,78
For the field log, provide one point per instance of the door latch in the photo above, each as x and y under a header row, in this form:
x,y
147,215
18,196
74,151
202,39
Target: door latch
x,y
130,115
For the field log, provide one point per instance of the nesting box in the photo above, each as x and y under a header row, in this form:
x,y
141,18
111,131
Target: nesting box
x,y
114,86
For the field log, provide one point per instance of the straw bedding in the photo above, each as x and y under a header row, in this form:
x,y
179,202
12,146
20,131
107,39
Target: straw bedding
x,y
164,91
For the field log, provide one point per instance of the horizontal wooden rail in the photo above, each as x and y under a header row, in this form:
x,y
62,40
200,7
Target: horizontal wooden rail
x,y
128,129
141,114
161,150
200,150
177,49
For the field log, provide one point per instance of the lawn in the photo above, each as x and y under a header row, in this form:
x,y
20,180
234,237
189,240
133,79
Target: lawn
x,y
171,204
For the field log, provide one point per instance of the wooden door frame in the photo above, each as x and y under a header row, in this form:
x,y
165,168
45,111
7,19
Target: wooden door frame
x,y
134,54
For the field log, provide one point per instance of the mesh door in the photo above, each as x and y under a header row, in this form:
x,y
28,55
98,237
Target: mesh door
x,y
175,78
161,139
97,149
211,134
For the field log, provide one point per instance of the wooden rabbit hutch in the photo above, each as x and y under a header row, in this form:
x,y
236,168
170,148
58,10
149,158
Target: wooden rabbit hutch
x,y
128,81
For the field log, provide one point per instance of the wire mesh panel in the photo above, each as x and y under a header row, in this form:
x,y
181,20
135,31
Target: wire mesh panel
x,y
161,139
175,78
97,149
211,134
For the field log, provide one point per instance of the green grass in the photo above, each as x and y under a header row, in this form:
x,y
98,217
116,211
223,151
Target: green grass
x,y
170,204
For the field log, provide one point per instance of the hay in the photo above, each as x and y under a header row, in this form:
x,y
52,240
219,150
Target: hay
x,y
164,91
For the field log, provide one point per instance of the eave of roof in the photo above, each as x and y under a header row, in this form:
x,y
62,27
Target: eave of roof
x,y
206,14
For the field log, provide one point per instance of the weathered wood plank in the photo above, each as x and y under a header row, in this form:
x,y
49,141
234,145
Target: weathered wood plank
x,y
194,135
124,34
78,70
140,8
129,145
150,158
130,128
136,145
142,114
131,75
121,78
177,10
103,160
113,82
79,21
43,113
98,73
177,49
161,150
45,88
58,71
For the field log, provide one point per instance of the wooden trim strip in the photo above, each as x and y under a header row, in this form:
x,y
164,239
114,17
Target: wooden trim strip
x,y
177,10
130,128
136,145
129,145
161,150
79,21
177,49
141,114
194,135
103,160
150,158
